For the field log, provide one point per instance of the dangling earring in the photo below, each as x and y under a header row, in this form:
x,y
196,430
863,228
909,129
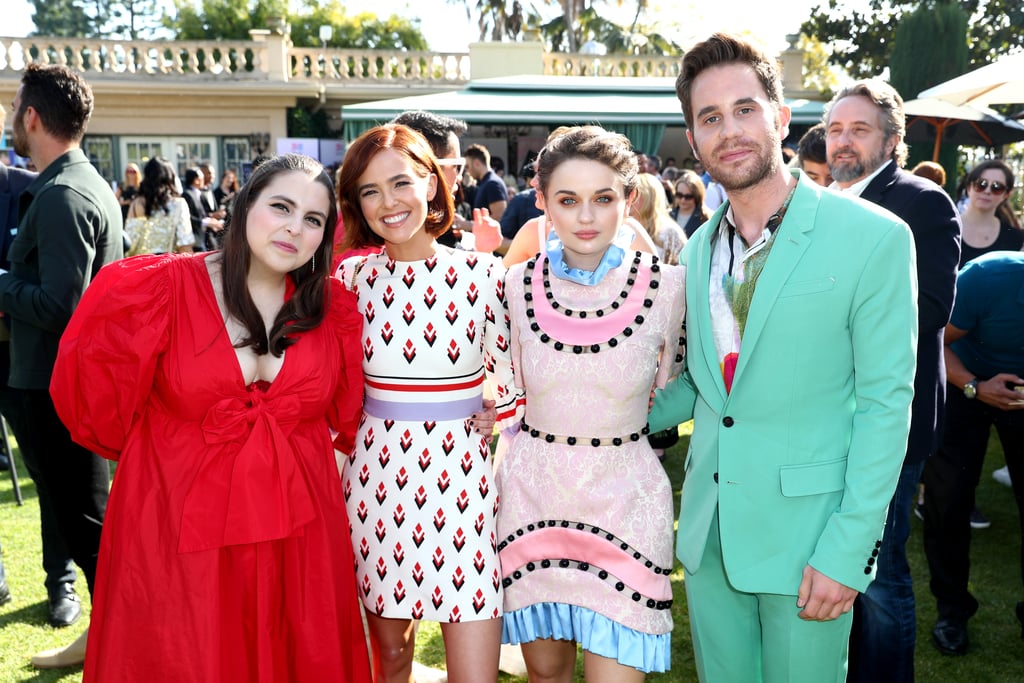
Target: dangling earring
x,y
313,269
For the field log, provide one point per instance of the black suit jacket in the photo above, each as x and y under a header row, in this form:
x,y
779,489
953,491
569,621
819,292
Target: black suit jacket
x,y
197,212
935,222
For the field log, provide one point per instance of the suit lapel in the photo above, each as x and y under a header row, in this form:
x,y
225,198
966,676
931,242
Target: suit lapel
x,y
700,304
791,241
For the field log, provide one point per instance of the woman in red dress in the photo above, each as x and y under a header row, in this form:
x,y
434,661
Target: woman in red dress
x,y
212,380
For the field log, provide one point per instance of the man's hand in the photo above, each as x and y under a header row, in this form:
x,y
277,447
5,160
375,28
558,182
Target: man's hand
x,y
822,599
995,392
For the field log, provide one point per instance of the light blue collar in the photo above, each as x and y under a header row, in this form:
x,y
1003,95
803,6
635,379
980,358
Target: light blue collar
x,y
612,258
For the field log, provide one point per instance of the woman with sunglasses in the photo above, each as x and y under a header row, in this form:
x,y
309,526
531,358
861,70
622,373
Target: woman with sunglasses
x,y
689,211
989,223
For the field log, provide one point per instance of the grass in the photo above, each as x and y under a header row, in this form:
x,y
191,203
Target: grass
x,y
996,656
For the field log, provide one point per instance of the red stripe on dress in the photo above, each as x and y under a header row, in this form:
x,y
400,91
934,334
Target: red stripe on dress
x,y
425,387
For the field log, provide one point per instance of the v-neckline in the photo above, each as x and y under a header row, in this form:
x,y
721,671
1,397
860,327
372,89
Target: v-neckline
x,y
223,331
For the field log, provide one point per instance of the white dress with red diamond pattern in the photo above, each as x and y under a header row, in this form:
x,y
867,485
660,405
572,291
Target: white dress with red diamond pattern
x,y
419,486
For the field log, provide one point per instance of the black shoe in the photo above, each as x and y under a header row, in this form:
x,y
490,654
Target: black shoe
x,y
5,464
978,520
950,636
65,608
5,593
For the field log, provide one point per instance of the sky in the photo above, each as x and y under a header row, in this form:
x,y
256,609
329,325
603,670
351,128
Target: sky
x,y
447,29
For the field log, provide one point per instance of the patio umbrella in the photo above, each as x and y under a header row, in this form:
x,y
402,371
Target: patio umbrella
x,y
959,125
1001,82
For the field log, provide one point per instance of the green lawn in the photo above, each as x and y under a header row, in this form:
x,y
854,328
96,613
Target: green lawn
x,y
997,652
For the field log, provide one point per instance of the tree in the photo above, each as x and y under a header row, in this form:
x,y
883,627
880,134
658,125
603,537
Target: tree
x,y
134,19
232,19
863,40
929,47
62,18
818,74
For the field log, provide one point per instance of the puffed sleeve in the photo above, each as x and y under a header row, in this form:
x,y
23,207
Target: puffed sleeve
x,y
347,324
510,399
110,350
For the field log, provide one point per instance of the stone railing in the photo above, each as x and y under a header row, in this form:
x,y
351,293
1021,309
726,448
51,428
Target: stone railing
x,y
271,57
205,59
622,66
385,66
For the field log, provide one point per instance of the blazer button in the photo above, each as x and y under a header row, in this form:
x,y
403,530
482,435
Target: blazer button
x,y
716,477
728,421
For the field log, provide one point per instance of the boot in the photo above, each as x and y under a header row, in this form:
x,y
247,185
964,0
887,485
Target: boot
x,y
69,655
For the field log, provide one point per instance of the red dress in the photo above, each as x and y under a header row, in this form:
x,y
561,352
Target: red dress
x,y
225,553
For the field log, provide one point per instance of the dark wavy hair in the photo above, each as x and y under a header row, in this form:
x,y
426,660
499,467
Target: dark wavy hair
x,y
157,185
305,309
1005,210
61,97
412,146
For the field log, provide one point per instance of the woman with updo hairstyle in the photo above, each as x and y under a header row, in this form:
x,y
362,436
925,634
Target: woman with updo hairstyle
x,y
419,484
989,223
585,527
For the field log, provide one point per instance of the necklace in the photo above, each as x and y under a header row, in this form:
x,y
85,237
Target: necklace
x,y
612,342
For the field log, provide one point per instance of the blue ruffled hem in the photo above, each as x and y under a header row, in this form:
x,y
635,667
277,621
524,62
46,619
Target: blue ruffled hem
x,y
596,633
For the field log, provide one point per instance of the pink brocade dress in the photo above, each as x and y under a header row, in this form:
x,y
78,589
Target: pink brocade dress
x,y
225,553
586,516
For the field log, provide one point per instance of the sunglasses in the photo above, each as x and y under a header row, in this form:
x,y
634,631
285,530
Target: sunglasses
x,y
997,187
458,162
687,197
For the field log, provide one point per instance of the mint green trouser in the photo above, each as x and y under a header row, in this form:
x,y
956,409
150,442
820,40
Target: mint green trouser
x,y
749,637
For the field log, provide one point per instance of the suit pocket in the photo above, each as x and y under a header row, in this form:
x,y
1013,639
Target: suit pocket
x,y
808,287
813,479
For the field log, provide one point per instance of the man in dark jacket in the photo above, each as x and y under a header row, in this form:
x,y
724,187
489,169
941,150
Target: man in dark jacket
x,y
69,227
865,125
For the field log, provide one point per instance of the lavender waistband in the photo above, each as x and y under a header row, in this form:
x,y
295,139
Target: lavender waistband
x,y
425,410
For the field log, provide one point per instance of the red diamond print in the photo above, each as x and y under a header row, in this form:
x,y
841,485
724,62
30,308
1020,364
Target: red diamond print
x,y
420,498
370,313
380,531
478,601
368,439
430,334
364,475
399,592
417,574
402,478
406,441
467,463
387,333
451,277
367,349
479,562
437,597
471,331
472,294
424,460
389,297
364,548
381,494
399,516
390,265
479,524
459,540
484,487
362,512
382,568
452,313
417,610
455,616
448,443
366,584
409,351
384,457
429,426
409,277
440,519
437,559
431,263
430,298
399,555
443,481
458,579
372,277
380,605
463,501
417,535
408,314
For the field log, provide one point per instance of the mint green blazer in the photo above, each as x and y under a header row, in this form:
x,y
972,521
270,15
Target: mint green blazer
x,y
802,457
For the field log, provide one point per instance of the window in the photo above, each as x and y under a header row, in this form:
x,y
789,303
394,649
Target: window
x,y
100,151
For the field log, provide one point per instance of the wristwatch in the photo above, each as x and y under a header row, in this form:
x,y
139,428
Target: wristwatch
x,y
971,388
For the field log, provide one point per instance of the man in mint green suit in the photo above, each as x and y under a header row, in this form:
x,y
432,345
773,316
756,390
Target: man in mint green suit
x,y
801,331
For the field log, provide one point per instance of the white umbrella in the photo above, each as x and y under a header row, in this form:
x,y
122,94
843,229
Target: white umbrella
x,y
1001,82
959,125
